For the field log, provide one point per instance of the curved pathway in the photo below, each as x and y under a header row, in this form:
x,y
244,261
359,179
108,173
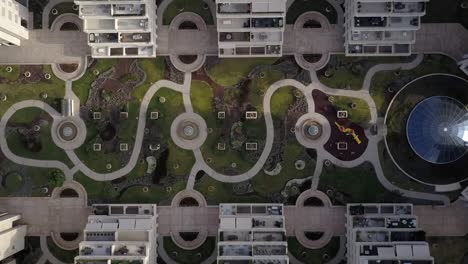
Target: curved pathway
x,y
26,161
202,165
47,10
46,252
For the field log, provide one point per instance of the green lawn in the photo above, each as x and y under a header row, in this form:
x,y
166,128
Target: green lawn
x,y
355,185
13,182
39,177
217,192
228,72
97,189
349,72
359,115
48,149
180,6
81,87
313,256
66,256
63,8
156,194
441,11
301,6
16,91
260,84
449,250
280,101
10,76
190,256
266,184
383,80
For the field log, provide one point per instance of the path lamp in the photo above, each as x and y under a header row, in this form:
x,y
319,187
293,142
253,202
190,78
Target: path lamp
x,y
75,7
54,11
464,5
162,99
328,9
44,95
47,76
27,74
9,69
3,97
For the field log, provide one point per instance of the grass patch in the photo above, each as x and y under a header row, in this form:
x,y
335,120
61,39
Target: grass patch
x,y
156,194
47,150
217,192
355,185
17,91
190,256
228,72
179,6
82,86
97,190
301,6
449,250
280,101
313,256
385,80
260,84
66,256
360,114
10,76
39,177
266,184
349,72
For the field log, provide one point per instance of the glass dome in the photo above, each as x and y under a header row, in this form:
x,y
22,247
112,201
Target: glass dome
x,y
437,129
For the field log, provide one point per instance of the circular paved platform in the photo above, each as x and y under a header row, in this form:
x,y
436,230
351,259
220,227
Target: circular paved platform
x,y
180,125
310,141
68,133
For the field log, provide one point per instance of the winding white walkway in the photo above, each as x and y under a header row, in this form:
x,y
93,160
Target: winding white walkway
x,y
26,161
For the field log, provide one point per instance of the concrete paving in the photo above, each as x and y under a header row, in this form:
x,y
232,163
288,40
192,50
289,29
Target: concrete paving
x,y
46,215
47,47
178,219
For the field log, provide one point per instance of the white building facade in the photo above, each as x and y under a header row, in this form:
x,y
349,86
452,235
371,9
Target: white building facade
x,y
14,18
120,232
252,233
120,29
250,28
12,235
382,28
385,233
